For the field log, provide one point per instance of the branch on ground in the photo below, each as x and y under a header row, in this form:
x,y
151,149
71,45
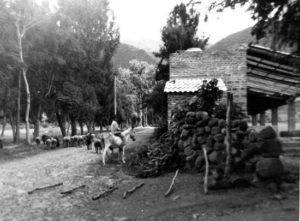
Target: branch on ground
x,y
172,184
105,193
132,190
44,188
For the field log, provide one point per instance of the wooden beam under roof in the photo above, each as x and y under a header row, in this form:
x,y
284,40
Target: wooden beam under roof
x,y
265,93
272,69
271,55
277,79
271,63
271,86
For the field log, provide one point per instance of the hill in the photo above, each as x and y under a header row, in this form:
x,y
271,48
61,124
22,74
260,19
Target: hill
x,y
242,39
126,53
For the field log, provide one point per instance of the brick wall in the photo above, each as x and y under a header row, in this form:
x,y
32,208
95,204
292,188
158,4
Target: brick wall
x,y
231,68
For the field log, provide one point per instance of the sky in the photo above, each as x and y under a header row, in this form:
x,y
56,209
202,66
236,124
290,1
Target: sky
x,y
141,21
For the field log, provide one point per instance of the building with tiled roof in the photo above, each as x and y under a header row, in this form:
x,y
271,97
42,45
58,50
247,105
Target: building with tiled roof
x,y
259,78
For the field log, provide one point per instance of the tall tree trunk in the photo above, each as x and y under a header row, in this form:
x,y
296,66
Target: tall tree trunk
x,y
3,125
17,135
81,127
20,35
24,74
61,123
27,106
68,125
141,111
101,127
37,122
89,126
73,126
12,124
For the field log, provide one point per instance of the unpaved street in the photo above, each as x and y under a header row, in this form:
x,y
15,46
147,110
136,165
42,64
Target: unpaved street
x,y
77,166
72,166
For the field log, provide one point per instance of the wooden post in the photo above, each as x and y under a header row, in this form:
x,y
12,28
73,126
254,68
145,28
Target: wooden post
x,y
115,95
254,120
262,119
274,116
228,135
291,115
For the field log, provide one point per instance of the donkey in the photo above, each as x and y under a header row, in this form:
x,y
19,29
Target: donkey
x,y
117,142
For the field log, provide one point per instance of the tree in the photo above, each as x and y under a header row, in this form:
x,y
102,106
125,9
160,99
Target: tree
x,y
93,41
142,79
24,14
44,66
278,19
157,100
180,33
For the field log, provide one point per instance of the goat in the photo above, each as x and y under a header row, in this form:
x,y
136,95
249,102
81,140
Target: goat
x,y
48,142
99,143
38,141
45,138
67,141
89,141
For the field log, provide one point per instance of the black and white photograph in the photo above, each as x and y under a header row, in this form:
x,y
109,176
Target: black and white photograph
x,y
149,110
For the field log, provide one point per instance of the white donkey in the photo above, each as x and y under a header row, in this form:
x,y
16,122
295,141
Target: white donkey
x,y
117,142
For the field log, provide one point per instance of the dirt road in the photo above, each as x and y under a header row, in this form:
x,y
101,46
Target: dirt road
x,y
77,166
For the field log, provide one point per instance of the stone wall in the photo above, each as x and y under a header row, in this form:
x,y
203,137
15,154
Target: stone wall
x,y
230,68
176,99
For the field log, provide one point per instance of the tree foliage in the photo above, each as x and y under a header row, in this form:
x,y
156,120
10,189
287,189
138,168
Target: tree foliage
x,y
279,19
180,33
67,57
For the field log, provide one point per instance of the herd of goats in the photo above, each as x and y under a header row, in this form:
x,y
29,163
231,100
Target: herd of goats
x,y
87,140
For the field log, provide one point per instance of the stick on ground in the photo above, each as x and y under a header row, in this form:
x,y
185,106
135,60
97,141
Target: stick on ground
x,y
44,188
72,190
132,190
172,184
105,193
206,170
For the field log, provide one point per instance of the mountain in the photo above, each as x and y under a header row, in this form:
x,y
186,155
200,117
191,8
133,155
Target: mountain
x,y
242,39
233,41
148,45
126,53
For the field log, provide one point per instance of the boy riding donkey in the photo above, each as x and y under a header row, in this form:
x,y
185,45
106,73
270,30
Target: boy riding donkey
x,y
119,139
115,130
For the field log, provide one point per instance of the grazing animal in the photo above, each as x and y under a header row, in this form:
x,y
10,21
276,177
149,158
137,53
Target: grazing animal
x,y
67,141
53,142
57,141
89,141
38,141
117,142
48,142
80,140
99,143
45,138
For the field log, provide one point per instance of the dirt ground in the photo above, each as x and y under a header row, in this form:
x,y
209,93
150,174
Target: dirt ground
x,y
76,166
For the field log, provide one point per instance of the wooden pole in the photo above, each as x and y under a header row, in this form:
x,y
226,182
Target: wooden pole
x,y
262,119
274,112
206,170
254,120
115,95
291,115
228,135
